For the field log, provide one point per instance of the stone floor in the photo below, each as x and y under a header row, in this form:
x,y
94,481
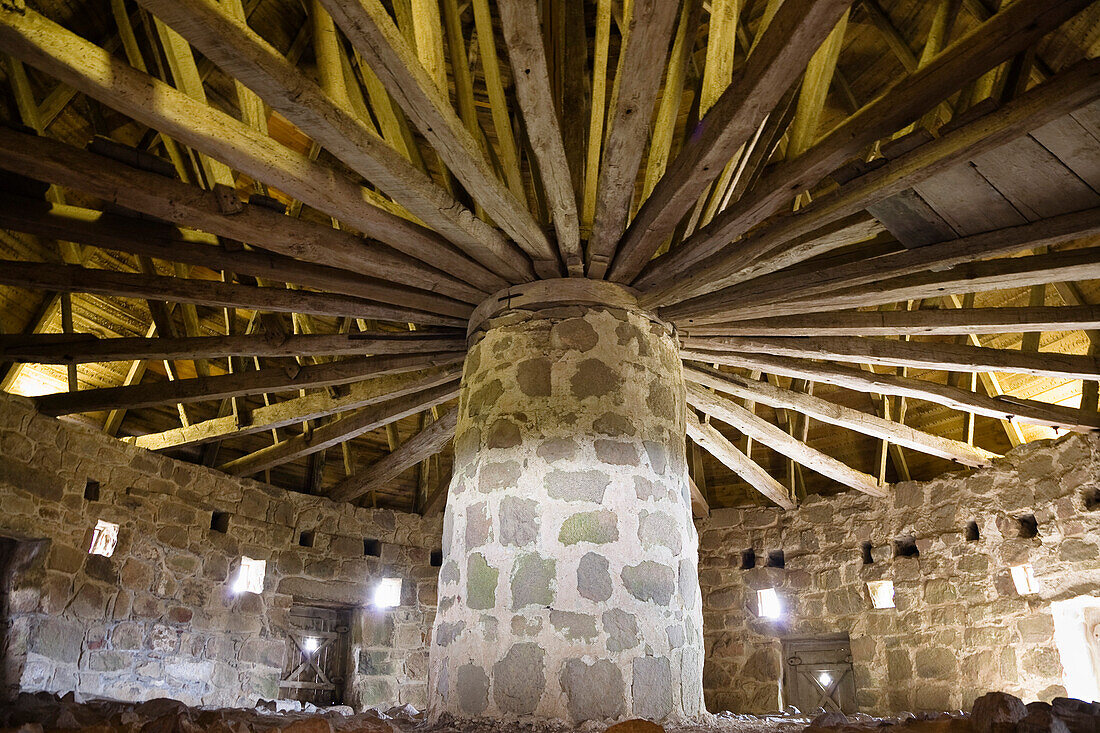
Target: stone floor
x,y
44,712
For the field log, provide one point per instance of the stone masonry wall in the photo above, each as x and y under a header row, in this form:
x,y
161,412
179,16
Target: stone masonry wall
x,y
158,619
569,587
959,628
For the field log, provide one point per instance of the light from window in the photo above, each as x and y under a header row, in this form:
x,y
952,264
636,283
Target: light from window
x,y
824,679
767,603
250,576
387,594
882,593
104,539
310,644
1024,579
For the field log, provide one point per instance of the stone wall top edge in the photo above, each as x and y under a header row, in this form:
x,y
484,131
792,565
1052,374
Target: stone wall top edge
x,y
21,412
929,492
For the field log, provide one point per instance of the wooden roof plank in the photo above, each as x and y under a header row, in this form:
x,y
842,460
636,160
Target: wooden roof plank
x,y
299,409
172,244
220,212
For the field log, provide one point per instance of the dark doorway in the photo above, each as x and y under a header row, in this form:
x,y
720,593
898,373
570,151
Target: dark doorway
x,y
317,654
817,674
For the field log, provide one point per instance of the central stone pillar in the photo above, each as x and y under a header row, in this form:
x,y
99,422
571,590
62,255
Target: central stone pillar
x,y
569,588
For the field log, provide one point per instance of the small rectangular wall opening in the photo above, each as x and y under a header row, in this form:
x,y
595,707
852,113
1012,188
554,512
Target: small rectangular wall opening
x,y
436,559
971,532
306,539
372,548
906,547
91,490
219,522
748,559
1092,500
776,559
1029,526
865,551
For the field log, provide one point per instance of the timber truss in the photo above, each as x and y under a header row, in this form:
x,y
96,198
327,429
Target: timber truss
x,y
312,215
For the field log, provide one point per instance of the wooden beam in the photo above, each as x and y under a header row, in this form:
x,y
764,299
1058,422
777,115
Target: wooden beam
x,y
809,281
63,348
708,437
112,81
834,414
298,410
912,354
426,443
262,381
230,43
778,440
340,430
796,30
523,37
971,277
220,212
73,279
913,323
699,506
769,249
172,244
372,32
999,408
641,62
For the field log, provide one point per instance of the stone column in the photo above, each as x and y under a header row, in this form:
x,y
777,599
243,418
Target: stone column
x,y
569,588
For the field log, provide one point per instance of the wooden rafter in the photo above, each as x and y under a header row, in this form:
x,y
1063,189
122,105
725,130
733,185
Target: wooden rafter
x,y
790,38
1000,408
373,33
340,430
271,379
834,414
426,443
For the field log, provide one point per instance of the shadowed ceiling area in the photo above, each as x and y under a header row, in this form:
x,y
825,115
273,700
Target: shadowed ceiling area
x,y
251,233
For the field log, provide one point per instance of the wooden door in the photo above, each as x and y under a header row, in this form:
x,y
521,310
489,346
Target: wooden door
x,y
818,675
317,658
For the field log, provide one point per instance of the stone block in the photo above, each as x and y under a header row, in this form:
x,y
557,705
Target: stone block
x,y
472,689
652,688
593,691
481,582
519,679
532,581
597,527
